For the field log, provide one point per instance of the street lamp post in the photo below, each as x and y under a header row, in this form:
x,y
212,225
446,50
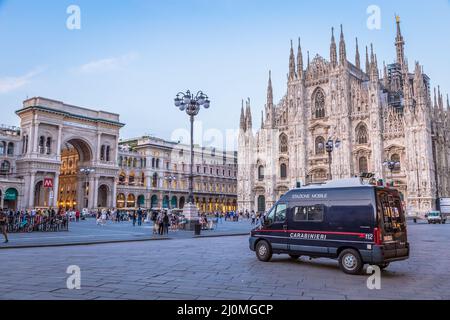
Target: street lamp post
x,y
87,172
191,104
169,180
330,146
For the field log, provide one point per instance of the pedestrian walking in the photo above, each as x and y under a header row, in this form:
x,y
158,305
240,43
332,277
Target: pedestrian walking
x,y
104,216
155,223
166,223
160,223
3,225
253,216
139,216
133,217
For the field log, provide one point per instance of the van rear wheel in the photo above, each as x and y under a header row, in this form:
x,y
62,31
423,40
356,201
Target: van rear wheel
x,y
350,261
263,251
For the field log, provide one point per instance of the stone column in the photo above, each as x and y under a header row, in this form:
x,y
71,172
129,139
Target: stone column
x,y
99,148
31,190
35,138
114,194
91,193
58,150
2,204
54,202
95,192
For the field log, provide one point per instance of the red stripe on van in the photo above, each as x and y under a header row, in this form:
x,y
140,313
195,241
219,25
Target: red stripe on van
x,y
360,235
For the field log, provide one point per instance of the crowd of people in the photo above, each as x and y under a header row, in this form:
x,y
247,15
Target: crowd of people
x,y
36,220
162,220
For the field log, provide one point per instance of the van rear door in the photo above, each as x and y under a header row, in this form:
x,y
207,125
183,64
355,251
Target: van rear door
x,y
392,223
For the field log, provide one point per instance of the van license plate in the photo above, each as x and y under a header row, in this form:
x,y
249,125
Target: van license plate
x,y
387,238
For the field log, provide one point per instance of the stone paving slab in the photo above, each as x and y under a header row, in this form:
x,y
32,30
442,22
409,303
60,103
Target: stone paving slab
x,y
218,268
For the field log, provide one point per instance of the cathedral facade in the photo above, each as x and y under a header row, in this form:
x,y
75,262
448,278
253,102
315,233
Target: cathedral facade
x,y
376,117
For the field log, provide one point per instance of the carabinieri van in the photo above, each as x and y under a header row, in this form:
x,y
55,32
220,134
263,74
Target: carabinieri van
x,y
348,220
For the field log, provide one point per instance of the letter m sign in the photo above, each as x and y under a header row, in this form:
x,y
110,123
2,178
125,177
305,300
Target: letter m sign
x,y
48,183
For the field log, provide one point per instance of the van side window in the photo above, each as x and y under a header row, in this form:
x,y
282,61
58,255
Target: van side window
x,y
280,216
309,213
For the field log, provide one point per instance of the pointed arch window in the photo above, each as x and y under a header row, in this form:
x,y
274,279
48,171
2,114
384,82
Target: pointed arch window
x,y
284,143
261,173
362,136
283,171
320,145
319,104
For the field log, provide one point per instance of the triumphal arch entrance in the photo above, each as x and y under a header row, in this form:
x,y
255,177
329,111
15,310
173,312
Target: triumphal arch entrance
x,y
69,155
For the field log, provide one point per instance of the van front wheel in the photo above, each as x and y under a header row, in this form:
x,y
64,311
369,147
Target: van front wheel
x,y
350,261
263,251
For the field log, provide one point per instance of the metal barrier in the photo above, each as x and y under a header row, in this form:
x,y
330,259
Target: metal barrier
x,y
26,223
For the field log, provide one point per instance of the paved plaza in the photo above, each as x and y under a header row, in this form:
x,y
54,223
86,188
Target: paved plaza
x,y
88,232
217,268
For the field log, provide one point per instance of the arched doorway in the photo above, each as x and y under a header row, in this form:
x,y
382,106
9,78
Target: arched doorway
x,y
261,204
154,201
182,202
141,201
120,201
166,202
103,196
10,199
174,202
131,201
74,184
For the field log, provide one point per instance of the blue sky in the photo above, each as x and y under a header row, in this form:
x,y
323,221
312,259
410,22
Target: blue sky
x,y
132,57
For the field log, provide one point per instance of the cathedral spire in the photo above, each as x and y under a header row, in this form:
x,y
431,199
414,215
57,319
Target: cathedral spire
x,y
357,56
435,99
385,76
333,52
440,99
270,91
308,59
242,123
372,56
262,119
399,43
299,61
292,63
248,124
367,61
342,49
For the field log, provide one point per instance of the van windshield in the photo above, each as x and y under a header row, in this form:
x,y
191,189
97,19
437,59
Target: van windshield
x,y
390,212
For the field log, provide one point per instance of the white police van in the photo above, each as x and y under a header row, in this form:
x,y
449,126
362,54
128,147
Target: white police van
x,y
348,220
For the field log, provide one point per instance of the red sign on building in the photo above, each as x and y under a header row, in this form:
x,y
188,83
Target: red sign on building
x,y
48,183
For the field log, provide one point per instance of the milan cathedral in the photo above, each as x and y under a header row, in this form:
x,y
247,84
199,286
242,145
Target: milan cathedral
x,y
377,116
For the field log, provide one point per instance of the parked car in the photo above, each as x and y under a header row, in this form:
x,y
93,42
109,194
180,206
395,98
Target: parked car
x,y
436,217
